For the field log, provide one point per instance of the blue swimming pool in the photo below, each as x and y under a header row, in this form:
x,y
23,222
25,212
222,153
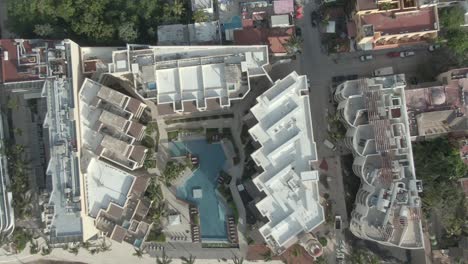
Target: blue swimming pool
x,y
212,210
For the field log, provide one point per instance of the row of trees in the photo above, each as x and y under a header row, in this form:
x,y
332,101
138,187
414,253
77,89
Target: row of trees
x,y
439,166
103,22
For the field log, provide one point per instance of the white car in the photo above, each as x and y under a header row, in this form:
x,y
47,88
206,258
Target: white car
x,y
367,57
329,145
405,54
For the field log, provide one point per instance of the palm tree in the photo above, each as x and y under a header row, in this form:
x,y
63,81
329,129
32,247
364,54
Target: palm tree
x,y
190,260
200,16
164,259
86,245
293,45
267,256
237,260
33,248
45,250
178,8
138,253
74,250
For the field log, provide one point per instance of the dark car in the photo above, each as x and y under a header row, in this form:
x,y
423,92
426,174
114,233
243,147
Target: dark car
x,y
298,32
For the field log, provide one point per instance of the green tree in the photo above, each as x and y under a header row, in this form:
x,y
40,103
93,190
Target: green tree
x,y
267,256
13,103
138,253
293,45
44,30
200,16
360,256
33,247
190,260
128,32
18,131
237,260
456,37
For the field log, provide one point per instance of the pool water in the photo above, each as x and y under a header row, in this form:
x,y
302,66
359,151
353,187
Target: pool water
x,y
212,210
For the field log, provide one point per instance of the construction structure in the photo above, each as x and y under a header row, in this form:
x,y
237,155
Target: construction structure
x,y
284,130
388,207
188,78
439,108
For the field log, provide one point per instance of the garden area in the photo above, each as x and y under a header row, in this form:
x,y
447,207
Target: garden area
x,y
439,166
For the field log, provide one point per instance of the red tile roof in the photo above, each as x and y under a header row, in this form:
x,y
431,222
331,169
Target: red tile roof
x,y
421,20
274,37
283,6
10,71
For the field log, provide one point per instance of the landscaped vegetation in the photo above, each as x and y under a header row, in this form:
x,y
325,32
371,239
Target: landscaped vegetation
x,y
225,192
337,130
439,166
101,22
17,167
20,238
173,170
156,235
363,256
451,31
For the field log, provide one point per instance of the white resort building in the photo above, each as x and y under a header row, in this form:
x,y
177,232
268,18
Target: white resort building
x,y
284,130
188,78
110,127
110,146
387,208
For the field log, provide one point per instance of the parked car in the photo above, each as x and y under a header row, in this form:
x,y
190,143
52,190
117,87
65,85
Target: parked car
x,y
393,54
329,145
433,47
407,53
383,71
367,57
338,222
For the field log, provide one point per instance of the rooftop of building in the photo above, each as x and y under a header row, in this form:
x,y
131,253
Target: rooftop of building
x,y
25,60
191,34
421,20
106,184
275,38
439,108
283,6
187,77
63,164
285,133
389,205
201,4
110,127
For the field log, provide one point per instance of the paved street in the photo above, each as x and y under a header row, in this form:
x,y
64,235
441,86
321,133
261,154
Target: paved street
x,y
320,68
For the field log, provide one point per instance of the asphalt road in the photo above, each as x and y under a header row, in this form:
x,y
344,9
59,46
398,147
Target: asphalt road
x,y
320,68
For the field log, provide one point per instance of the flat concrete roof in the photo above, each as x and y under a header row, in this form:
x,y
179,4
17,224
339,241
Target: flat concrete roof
x,y
106,184
284,131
